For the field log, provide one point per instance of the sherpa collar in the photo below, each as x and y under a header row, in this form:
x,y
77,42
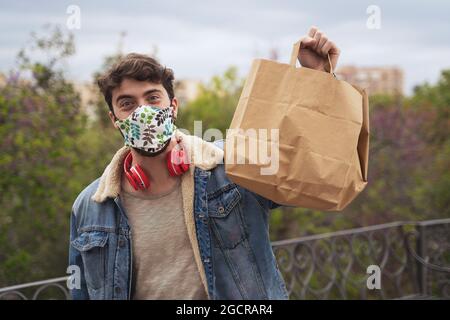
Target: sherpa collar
x,y
202,154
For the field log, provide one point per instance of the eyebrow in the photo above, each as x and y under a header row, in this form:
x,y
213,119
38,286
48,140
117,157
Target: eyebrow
x,y
124,96
152,91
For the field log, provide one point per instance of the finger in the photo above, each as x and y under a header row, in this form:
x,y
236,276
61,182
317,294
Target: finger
x,y
334,53
326,48
307,42
333,50
321,43
312,31
317,37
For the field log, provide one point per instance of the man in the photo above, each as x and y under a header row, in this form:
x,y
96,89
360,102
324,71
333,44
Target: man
x,y
152,228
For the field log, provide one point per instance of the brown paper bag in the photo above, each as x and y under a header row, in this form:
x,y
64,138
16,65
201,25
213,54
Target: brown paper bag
x,y
323,136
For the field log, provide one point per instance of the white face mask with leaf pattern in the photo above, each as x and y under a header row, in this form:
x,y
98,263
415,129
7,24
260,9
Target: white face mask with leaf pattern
x,y
148,128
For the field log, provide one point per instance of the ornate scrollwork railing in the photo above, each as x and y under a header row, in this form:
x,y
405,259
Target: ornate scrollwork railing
x,y
413,259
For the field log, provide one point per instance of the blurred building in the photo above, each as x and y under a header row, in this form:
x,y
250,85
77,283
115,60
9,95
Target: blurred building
x,y
2,79
186,90
377,80
89,95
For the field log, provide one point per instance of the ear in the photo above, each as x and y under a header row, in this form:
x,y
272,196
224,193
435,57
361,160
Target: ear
x,y
113,119
175,107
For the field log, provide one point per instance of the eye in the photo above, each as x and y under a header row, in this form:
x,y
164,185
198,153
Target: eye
x,y
153,98
126,104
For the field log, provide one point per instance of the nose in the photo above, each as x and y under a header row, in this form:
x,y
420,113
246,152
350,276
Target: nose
x,y
143,102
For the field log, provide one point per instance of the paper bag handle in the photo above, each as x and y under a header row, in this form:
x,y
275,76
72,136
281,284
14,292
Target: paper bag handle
x,y
295,52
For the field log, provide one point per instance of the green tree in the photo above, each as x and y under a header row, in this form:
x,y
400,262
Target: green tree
x,y
40,121
215,103
433,194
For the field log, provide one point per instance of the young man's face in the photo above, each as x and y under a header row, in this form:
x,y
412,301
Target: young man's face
x,y
133,93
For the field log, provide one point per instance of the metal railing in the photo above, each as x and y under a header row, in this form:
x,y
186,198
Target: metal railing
x,y
413,259
38,290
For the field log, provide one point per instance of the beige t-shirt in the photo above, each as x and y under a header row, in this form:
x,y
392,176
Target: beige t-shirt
x,y
163,259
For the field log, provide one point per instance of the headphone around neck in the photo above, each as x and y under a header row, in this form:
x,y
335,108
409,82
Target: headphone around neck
x,y
177,164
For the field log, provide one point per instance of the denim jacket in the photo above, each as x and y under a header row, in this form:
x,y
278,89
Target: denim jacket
x,y
228,227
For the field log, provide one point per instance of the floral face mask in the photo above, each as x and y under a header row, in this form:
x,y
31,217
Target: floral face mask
x,y
148,128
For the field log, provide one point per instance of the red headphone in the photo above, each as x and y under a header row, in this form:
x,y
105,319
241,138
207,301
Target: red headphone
x,y
177,164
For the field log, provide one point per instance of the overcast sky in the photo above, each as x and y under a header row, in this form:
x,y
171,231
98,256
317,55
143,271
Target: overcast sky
x,y
201,38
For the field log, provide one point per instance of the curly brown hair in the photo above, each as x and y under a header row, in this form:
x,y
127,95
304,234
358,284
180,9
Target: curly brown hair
x,y
138,67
